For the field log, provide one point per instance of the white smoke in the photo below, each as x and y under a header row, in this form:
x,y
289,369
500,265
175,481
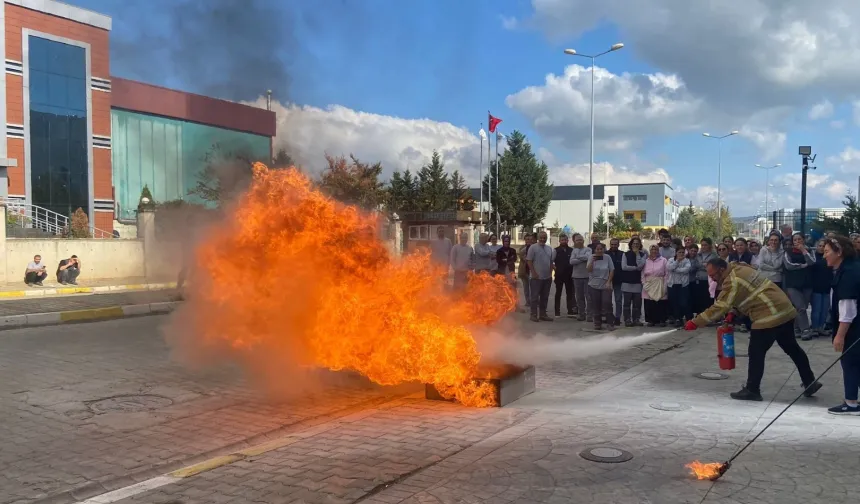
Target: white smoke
x,y
542,349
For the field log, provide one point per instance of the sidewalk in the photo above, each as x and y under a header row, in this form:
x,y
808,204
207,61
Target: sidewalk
x,y
51,288
65,308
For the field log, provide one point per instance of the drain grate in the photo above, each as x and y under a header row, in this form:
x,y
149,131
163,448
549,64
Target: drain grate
x,y
669,406
606,455
709,375
129,403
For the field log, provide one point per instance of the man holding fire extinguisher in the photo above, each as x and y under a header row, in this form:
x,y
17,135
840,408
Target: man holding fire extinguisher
x,y
744,290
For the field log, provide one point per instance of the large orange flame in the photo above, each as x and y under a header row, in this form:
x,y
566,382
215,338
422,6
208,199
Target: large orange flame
x,y
294,274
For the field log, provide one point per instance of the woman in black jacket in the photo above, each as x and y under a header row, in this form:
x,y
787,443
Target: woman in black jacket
x,y
741,253
797,281
840,255
822,277
632,264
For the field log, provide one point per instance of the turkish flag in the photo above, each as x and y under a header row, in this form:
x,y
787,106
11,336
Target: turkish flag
x,y
493,122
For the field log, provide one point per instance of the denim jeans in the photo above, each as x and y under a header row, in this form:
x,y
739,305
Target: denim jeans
x,y
820,307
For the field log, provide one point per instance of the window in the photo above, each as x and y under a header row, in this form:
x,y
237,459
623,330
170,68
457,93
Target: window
x,y
643,217
419,232
59,161
635,197
611,200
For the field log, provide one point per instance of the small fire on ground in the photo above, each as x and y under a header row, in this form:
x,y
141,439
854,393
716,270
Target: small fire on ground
x,y
706,471
293,279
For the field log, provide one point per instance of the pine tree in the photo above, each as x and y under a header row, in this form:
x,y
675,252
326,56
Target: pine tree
x,y
402,192
461,197
353,182
524,191
600,223
434,190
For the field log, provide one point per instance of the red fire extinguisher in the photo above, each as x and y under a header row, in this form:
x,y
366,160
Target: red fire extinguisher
x,y
726,346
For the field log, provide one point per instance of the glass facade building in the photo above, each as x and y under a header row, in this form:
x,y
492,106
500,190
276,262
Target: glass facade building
x,y
167,155
59,170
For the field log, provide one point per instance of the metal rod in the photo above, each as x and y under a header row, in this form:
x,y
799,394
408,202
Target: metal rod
x,y
481,176
737,454
591,160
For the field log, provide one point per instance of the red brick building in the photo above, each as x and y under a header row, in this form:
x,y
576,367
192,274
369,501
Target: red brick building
x,y
76,137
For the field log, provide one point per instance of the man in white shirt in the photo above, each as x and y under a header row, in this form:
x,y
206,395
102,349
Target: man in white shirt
x,y
440,248
36,272
462,260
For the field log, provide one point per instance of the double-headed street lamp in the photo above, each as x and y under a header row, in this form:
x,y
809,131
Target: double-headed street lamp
x,y
572,52
767,170
719,175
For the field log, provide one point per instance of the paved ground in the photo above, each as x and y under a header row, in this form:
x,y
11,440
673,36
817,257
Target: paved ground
x,y
358,443
82,301
51,282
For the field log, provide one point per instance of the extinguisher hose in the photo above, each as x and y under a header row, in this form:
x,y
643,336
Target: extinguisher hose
x,y
737,454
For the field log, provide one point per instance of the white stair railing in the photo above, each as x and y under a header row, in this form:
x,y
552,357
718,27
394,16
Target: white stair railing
x,y
25,215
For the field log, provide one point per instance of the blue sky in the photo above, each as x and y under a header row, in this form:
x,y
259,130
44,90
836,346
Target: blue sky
x,y
390,64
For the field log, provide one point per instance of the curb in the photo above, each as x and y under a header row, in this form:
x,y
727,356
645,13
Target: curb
x,y
85,290
87,315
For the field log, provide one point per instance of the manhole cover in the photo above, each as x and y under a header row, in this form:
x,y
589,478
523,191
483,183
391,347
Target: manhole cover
x,y
669,406
606,455
129,403
711,376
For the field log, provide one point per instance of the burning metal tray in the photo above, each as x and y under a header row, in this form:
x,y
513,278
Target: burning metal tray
x,y
509,383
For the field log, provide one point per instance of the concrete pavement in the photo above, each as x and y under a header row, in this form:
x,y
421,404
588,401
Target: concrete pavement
x,y
360,443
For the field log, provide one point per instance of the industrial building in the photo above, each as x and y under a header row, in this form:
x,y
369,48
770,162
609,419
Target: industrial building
x,y
77,137
651,204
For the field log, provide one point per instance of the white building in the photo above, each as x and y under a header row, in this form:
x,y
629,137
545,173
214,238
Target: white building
x,y
651,203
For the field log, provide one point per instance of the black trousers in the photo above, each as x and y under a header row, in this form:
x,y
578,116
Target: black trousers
x,y
760,342
539,295
679,299
656,311
32,277
701,295
566,284
632,306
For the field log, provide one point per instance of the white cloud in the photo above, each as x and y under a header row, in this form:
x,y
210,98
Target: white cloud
x,y
398,143
758,53
839,124
628,107
837,190
847,161
604,173
771,143
821,110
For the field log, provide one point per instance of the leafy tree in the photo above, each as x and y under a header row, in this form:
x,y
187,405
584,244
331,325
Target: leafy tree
x,y
617,224
703,223
635,225
225,175
600,222
282,159
524,191
80,225
353,182
848,223
460,194
434,188
402,193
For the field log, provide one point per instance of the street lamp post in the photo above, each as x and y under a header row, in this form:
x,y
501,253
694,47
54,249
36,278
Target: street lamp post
x,y
572,52
767,170
719,175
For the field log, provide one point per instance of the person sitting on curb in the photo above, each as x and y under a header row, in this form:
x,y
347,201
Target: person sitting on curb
x,y
36,272
746,290
68,270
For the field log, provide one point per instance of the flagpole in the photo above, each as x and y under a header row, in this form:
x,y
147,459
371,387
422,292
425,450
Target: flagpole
x,y
498,193
490,205
481,171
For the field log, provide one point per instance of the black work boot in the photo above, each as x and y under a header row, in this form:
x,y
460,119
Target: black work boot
x,y
810,391
746,394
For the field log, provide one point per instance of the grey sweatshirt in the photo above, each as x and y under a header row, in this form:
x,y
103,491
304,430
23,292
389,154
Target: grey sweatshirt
x,y
679,272
702,273
579,260
667,252
771,264
485,259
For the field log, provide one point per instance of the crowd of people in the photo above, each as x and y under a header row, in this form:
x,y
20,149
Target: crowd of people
x,y
684,282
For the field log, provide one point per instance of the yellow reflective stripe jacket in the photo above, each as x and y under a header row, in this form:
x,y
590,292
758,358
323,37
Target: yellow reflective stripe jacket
x,y
746,290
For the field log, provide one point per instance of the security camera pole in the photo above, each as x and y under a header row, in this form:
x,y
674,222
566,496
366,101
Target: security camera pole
x,y
805,151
